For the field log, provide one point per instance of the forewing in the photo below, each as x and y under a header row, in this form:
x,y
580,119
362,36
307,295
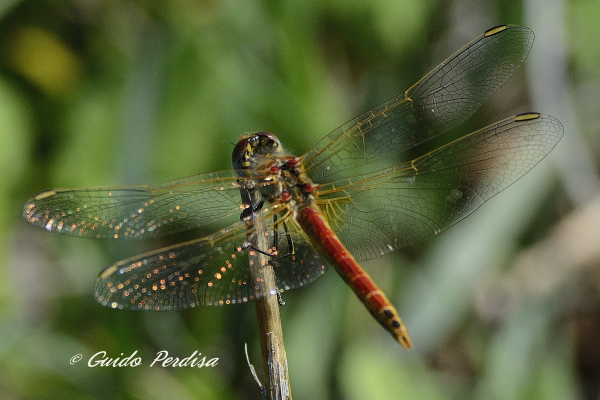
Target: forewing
x,y
134,211
447,96
376,213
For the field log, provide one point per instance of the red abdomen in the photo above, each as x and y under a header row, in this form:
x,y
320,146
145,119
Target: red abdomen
x,y
326,242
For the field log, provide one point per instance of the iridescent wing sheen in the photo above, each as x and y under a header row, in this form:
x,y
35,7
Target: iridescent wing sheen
x,y
210,271
134,211
447,96
379,212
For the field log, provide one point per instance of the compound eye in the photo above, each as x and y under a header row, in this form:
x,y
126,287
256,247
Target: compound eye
x,y
267,139
254,145
239,156
265,143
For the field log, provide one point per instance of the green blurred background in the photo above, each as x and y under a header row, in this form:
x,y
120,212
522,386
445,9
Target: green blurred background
x,y
505,305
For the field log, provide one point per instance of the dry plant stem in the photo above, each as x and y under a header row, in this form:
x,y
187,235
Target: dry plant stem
x,y
267,312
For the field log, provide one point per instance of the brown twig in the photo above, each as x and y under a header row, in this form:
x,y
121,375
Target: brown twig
x,y
267,313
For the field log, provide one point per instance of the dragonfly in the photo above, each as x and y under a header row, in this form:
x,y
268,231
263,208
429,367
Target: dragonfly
x,y
366,189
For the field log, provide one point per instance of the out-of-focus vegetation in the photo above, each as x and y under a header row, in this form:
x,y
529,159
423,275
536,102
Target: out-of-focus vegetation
x,y
505,305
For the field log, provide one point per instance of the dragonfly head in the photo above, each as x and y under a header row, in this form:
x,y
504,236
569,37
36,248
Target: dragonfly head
x,y
255,148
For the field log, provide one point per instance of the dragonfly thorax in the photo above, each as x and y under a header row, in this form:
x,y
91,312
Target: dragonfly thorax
x,y
285,182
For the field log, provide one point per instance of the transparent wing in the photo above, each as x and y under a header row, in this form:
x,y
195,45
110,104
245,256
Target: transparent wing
x,y
447,96
130,212
210,271
379,212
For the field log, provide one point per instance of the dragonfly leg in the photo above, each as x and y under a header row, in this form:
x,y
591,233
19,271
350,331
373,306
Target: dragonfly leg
x,y
247,212
280,299
273,254
265,253
290,242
